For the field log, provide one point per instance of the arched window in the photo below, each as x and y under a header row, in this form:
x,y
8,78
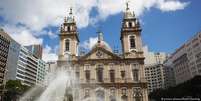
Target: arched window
x,y
124,96
86,93
99,72
137,94
112,98
123,74
112,76
100,95
68,28
77,74
130,24
124,91
67,45
87,75
112,91
112,94
135,73
132,42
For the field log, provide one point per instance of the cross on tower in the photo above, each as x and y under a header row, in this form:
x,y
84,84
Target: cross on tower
x,y
127,5
71,12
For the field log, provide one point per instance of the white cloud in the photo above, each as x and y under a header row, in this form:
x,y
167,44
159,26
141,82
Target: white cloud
x,y
49,54
22,35
172,5
51,34
26,38
35,15
39,14
88,44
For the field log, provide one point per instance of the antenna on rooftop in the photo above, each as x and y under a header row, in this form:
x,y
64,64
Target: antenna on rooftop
x,y
116,51
82,51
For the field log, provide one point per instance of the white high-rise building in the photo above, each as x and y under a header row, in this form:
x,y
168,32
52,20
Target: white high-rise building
x,y
154,69
21,64
186,60
27,67
154,58
193,51
30,70
169,73
41,71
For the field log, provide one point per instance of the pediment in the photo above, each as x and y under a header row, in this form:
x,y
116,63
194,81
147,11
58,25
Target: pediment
x,y
99,53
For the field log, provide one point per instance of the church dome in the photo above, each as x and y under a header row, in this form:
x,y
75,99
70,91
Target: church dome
x,y
101,43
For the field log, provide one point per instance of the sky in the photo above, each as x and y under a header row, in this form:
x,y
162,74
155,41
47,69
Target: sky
x,y
166,24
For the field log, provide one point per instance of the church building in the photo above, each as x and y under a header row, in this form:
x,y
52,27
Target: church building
x,y
104,75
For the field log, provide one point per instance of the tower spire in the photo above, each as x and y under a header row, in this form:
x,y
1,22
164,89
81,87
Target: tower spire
x,y
100,36
70,17
127,5
71,12
127,13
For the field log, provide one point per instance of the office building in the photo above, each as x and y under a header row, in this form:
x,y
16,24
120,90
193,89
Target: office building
x,y
13,56
41,72
154,69
27,67
4,49
36,50
20,63
169,75
186,60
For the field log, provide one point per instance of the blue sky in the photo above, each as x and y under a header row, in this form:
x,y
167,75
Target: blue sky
x,y
168,31
166,24
161,31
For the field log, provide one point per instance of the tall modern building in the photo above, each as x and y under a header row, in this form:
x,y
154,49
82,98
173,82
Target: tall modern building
x,y
36,50
20,63
41,71
169,75
102,73
155,76
27,67
13,56
154,69
186,60
193,51
4,48
154,57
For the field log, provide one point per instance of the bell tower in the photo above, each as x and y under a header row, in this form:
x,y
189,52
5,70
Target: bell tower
x,y
69,39
130,34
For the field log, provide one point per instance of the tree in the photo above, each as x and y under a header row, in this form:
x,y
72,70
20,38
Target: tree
x,y
190,88
14,89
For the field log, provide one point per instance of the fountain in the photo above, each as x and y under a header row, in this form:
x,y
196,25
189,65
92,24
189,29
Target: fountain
x,y
59,87
62,85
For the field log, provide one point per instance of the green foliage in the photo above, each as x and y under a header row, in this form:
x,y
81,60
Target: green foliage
x,y
191,88
14,89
